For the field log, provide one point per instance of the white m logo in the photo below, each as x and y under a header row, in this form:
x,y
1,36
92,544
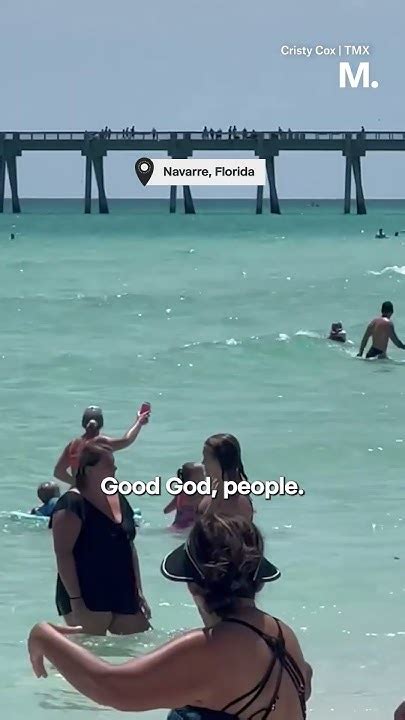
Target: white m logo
x,y
362,76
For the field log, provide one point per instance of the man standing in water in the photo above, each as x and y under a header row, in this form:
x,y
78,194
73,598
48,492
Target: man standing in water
x,y
381,330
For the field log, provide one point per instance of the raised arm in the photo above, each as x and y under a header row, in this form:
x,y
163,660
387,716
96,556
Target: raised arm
x,y
365,339
61,468
171,506
395,339
129,437
177,674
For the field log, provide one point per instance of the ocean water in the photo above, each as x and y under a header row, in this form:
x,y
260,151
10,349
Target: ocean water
x,y
219,321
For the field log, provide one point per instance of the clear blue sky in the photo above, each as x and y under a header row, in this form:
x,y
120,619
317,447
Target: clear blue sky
x,y
183,64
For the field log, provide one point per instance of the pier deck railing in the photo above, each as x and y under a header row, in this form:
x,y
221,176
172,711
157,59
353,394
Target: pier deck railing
x,y
94,146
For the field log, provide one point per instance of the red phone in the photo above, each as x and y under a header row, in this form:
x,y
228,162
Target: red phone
x,y
145,407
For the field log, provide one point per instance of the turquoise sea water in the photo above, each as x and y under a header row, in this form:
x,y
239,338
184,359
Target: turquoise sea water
x,y
218,320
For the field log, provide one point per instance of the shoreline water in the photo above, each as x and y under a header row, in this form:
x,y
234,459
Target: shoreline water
x,y
219,321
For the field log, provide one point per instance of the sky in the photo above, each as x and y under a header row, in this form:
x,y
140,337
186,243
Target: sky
x,y
183,64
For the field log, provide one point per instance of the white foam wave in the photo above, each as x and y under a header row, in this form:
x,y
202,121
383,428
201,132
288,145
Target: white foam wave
x,y
400,269
309,333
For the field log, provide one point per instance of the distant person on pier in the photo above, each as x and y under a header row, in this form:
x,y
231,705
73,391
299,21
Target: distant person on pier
x,y
381,330
92,423
154,134
230,132
212,134
205,134
337,333
381,234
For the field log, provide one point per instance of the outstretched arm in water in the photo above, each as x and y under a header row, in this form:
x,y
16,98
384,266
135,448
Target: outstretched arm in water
x,y
181,672
364,342
395,339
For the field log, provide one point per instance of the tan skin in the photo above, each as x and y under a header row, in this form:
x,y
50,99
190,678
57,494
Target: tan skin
x,y
203,668
66,528
234,505
62,467
381,330
400,712
196,475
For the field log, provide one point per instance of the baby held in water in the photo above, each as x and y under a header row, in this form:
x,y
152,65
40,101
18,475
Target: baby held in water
x,y
48,494
186,505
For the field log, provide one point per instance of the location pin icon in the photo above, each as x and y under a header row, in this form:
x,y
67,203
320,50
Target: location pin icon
x,y
144,170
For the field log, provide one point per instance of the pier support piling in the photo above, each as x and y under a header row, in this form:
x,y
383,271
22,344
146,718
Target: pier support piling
x,y
259,200
99,173
87,189
348,185
173,198
271,176
2,182
188,201
361,205
12,175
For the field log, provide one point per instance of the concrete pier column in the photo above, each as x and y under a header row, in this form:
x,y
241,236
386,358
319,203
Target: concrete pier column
x,y
2,182
12,176
348,184
173,198
99,173
361,205
87,188
271,176
259,200
188,201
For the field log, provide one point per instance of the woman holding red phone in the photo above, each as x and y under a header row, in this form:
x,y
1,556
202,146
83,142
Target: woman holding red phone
x,y
92,423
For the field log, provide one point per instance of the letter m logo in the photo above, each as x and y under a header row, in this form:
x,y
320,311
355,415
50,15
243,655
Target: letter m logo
x,y
362,75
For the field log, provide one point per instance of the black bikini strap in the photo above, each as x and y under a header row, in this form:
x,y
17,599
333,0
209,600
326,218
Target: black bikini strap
x,y
287,662
256,630
273,644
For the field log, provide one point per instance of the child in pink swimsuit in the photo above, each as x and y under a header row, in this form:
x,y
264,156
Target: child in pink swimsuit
x,y
186,505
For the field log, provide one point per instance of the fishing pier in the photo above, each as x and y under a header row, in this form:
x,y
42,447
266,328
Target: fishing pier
x,y
94,146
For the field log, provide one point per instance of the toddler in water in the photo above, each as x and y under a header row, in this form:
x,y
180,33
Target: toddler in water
x,y
337,333
186,505
48,493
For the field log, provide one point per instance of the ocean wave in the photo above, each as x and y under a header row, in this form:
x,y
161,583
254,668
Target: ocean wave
x,y
399,269
310,334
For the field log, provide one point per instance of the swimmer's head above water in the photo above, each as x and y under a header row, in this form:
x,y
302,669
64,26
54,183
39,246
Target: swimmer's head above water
x,y
222,457
92,420
48,490
96,462
191,471
222,562
387,309
337,333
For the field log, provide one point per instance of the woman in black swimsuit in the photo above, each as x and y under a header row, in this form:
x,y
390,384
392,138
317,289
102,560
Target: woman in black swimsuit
x,y
247,665
99,584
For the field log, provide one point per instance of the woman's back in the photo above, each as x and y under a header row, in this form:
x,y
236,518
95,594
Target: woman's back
x,y
260,669
237,505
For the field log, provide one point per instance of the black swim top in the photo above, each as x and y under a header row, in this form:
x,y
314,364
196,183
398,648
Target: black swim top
x,y
287,663
103,558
